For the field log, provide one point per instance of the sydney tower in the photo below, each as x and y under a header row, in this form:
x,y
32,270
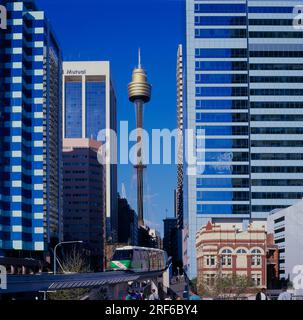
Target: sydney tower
x,y
139,92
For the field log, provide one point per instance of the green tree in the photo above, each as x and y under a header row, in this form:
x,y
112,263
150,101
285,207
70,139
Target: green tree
x,y
74,262
227,286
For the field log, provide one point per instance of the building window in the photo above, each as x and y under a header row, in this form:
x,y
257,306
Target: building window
x,y
226,258
209,279
241,251
210,261
256,278
256,258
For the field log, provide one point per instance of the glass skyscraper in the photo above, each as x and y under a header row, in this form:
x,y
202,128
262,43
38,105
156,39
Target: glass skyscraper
x,y
30,131
89,106
244,100
85,101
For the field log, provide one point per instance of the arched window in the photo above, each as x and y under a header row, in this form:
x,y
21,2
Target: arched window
x,y
226,251
256,259
241,251
226,258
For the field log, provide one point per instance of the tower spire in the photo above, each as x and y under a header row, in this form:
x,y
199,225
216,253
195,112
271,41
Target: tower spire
x,y
139,58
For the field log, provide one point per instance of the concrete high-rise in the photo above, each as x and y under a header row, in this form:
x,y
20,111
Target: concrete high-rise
x,y
180,104
287,226
139,92
30,139
89,106
84,197
244,101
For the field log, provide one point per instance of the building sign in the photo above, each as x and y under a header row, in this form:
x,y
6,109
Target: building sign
x,y
75,72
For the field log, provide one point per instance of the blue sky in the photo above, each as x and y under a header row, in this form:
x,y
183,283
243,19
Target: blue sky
x,y
113,30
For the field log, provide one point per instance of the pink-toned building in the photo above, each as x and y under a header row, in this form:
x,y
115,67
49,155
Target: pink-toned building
x,y
228,249
84,197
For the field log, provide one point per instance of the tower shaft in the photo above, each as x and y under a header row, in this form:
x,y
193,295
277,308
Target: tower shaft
x,y
139,165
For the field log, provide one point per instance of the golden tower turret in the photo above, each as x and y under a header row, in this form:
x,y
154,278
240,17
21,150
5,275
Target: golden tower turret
x,y
139,88
139,92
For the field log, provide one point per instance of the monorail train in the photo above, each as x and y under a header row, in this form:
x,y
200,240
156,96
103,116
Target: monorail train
x,y
138,259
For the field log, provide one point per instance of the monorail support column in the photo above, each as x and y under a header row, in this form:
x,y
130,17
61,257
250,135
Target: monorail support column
x,y
154,285
117,291
166,280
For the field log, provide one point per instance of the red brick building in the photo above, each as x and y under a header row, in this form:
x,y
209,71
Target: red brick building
x,y
227,249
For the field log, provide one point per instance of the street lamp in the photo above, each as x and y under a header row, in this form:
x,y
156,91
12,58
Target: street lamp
x,y
56,246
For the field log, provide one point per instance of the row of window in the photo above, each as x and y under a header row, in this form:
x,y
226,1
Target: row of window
x,y
243,53
277,156
223,143
243,130
243,91
276,54
223,169
277,104
213,209
242,33
220,8
226,259
222,91
276,92
222,65
222,183
277,195
218,21
244,195
223,196
220,33
280,143
223,104
220,53
222,156
222,78
276,79
239,8
239,21
277,169
277,117
222,130
222,117
278,182
275,34
276,66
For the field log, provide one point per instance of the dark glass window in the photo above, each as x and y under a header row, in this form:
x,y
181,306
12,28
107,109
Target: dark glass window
x,y
217,21
220,8
222,104
123,255
220,53
220,33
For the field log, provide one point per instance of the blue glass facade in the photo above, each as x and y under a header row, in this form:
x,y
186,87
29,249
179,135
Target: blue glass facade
x,y
30,58
85,107
95,108
244,92
73,109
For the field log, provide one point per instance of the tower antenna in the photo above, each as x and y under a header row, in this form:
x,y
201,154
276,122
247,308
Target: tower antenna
x,y
139,58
